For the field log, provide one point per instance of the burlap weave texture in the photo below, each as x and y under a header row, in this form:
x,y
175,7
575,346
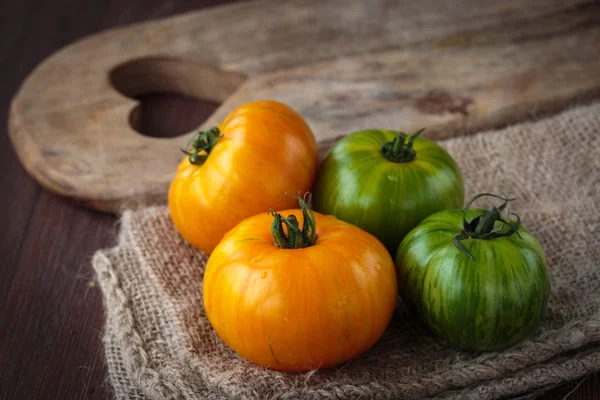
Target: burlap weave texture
x,y
160,345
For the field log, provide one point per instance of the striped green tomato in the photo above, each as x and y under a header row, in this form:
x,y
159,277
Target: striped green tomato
x,y
477,279
386,182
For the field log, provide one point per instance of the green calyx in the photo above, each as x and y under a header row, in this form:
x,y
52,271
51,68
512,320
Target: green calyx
x,y
400,149
201,144
482,226
295,238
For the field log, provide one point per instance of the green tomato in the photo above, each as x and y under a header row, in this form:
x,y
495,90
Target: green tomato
x,y
478,287
386,183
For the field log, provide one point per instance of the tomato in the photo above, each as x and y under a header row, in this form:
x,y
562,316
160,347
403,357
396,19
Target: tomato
x,y
386,182
309,298
478,280
244,166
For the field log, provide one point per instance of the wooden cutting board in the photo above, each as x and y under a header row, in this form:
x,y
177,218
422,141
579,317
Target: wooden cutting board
x,y
455,67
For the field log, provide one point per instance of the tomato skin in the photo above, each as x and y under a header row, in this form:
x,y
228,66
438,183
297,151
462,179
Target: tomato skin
x,y
299,309
489,303
267,150
357,184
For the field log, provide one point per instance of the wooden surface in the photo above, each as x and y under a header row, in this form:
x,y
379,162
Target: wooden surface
x,y
51,317
454,67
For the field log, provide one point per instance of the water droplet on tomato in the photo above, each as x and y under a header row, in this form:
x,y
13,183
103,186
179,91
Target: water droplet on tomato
x,y
392,177
353,165
342,302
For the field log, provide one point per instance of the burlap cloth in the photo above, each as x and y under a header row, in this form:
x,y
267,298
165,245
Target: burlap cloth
x,y
160,345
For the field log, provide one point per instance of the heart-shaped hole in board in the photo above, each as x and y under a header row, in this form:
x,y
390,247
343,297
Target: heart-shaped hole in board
x,y
176,95
169,115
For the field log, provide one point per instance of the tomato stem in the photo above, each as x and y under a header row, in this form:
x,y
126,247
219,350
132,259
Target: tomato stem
x,y
201,144
483,226
277,231
295,238
400,150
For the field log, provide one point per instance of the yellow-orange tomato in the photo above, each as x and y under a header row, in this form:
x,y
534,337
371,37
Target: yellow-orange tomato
x,y
266,150
297,309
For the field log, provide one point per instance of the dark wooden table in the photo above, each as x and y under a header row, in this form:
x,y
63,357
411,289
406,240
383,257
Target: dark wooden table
x,y
51,317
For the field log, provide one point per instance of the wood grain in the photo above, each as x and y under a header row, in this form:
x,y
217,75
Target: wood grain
x,y
456,67
50,318
52,344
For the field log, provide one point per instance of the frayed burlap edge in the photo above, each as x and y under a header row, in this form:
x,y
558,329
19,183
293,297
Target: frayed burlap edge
x,y
538,378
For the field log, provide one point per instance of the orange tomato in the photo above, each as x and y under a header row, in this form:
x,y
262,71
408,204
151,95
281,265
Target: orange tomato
x,y
265,150
297,309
